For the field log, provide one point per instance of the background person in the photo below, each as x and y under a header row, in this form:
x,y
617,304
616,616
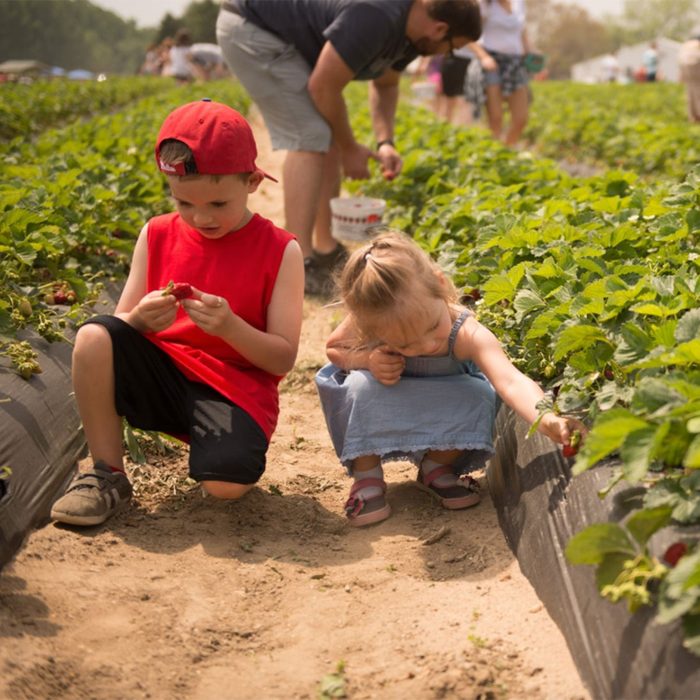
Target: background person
x,y
178,63
610,68
296,56
689,64
501,52
207,61
650,61
456,109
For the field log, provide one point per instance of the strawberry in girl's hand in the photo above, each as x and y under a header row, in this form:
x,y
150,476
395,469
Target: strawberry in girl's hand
x,y
180,290
571,449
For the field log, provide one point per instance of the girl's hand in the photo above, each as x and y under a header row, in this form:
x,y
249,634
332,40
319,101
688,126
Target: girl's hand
x,y
208,311
386,366
561,429
154,312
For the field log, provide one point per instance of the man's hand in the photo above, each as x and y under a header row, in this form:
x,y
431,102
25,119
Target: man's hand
x,y
386,366
355,160
390,161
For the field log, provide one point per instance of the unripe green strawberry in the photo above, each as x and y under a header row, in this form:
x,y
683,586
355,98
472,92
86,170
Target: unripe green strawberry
x,y
25,307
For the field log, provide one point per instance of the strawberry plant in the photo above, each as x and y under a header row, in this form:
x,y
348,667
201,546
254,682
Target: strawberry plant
x,y
640,127
73,202
592,284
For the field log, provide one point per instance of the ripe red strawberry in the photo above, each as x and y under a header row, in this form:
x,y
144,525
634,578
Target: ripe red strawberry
x,y
675,552
569,450
180,290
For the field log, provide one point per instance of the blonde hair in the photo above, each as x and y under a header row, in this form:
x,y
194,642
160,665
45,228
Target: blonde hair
x,y
388,280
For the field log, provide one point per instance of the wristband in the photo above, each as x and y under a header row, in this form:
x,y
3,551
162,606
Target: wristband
x,y
383,142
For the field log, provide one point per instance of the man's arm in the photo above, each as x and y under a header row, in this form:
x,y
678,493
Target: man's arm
x,y
383,99
326,83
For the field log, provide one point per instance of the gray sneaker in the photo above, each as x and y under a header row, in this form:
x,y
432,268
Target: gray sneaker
x,y
92,497
318,280
321,269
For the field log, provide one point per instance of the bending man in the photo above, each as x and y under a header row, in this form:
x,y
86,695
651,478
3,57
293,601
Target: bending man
x,y
296,56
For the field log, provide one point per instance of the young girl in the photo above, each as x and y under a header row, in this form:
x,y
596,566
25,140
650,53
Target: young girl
x,y
415,376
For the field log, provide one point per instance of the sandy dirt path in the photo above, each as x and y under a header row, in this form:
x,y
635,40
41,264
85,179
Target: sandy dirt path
x,y
275,597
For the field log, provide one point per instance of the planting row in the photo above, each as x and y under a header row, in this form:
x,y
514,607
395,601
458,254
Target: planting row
x,y
639,127
593,285
26,110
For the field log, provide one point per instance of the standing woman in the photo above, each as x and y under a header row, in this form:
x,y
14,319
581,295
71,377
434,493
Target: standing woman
x,y
501,52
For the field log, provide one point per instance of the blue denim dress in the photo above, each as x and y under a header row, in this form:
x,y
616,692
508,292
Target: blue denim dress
x,y
440,403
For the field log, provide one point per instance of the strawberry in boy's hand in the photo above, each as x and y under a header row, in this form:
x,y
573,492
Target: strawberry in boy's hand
x,y
180,290
571,449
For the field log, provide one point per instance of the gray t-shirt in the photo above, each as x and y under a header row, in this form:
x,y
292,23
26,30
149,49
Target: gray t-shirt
x,y
369,35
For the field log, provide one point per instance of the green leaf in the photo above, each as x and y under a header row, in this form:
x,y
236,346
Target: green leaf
x,y
637,452
676,597
691,632
656,396
688,327
634,345
644,523
607,435
526,301
692,455
576,338
592,544
609,569
498,288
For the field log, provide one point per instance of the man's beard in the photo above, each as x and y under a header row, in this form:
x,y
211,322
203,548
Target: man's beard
x,y
426,47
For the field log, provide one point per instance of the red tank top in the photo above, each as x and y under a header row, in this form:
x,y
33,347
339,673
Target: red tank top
x,y
242,267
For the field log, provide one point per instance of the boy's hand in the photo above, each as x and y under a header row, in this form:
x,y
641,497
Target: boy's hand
x,y
209,311
154,312
386,366
562,429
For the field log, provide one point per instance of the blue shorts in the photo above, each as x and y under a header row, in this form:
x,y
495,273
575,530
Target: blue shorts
x,y
226,444
511,74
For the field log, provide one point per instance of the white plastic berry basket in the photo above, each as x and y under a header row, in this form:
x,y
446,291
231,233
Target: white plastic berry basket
x,y
356,218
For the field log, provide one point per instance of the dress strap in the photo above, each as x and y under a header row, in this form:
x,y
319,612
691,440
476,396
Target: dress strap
x,y
455,329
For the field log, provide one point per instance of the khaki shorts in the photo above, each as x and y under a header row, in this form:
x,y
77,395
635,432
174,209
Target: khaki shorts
x,y
275,75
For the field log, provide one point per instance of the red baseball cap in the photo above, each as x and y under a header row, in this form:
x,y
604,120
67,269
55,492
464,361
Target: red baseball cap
x,y
220,139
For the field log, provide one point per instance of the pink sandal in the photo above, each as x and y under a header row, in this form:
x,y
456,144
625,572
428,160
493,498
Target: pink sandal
x,y
361,511
463,494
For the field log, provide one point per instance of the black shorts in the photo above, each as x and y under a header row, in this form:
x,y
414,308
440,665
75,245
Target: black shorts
x,y
226,444
453,71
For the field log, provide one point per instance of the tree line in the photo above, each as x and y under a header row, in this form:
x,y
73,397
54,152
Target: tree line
x,y
77,34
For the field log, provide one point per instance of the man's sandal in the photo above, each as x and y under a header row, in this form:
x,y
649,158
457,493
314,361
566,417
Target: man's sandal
x,y
464,494
361,511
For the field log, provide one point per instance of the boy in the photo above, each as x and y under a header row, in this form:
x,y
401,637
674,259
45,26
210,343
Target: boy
x,y
205,360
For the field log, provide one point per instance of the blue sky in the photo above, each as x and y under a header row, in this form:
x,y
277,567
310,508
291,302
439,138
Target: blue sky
x,y
148,13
